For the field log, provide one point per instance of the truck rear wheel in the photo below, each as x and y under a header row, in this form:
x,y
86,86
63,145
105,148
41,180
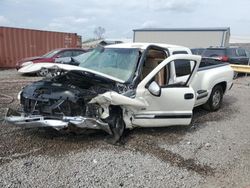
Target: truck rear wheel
x,y
215,99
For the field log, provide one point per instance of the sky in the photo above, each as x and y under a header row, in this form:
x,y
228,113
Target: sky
x,y
120,17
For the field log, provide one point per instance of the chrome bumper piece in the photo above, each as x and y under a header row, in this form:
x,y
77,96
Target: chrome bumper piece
x,y
31,121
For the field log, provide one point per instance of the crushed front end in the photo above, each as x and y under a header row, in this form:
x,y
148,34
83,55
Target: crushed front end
x,y
63,101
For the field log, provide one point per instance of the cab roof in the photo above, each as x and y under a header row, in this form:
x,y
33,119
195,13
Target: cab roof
x,y
143,46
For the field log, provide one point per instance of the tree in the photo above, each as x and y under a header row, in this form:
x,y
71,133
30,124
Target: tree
x,y
99,32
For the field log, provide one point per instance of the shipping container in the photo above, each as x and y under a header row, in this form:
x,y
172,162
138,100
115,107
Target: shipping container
x,y
17,43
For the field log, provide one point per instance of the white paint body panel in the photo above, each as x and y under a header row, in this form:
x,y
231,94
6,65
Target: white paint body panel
x,y
171,107
171,103
207,79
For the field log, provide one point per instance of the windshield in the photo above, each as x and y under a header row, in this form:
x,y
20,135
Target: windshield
x,y
50,54
116,62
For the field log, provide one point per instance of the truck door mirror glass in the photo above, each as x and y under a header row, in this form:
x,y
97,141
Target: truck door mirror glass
x,y
154,89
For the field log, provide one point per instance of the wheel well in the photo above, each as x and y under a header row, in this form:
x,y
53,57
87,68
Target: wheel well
x,y
223,85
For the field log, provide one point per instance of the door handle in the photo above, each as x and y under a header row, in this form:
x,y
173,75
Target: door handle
x,y
188,96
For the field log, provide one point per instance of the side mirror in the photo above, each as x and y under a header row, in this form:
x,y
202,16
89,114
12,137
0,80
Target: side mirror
x,y
154,89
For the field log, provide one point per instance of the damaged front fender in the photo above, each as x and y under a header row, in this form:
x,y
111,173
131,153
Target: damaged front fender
x,y
114,98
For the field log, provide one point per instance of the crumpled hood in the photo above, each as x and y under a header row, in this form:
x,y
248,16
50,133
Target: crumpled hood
x,y
72,85
35,67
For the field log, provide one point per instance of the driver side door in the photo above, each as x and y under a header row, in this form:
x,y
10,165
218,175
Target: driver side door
x,y
167,104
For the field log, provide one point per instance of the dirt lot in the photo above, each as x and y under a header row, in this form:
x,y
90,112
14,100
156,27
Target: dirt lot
x,y
214,151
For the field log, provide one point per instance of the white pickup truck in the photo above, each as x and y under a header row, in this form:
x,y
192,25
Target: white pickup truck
x,y
124,86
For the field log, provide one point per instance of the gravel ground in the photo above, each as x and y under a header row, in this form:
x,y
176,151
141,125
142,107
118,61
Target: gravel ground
x,y
214,151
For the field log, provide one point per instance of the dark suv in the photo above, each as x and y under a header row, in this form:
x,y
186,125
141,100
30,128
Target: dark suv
x,y
233,55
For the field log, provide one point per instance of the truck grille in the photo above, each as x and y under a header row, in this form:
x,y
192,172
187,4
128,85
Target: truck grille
x,y
59,108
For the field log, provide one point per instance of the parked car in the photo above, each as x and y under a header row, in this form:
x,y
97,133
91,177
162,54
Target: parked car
x,y
54,56
50,69
125,86
233,55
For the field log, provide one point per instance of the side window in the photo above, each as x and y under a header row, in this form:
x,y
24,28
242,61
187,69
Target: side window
x,y
248,53
162,78
76,53
182,67
241,52
65,54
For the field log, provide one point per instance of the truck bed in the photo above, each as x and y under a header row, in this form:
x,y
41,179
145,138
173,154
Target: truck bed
x,y
209,74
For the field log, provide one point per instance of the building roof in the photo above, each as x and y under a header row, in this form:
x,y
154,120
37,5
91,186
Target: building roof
x,y
185,29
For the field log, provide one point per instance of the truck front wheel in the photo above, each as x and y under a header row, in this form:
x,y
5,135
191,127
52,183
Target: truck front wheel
x,y
116,124
215,99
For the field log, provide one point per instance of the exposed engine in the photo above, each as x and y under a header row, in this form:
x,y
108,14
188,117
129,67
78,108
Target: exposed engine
x,y
66,95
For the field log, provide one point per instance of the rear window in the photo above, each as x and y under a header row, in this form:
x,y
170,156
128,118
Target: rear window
x,y
214,53
234,52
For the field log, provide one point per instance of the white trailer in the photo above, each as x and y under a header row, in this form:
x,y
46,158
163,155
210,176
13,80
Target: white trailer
x,y
189,37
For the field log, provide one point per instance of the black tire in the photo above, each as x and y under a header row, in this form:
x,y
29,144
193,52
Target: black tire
x,y
117,127
215,100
